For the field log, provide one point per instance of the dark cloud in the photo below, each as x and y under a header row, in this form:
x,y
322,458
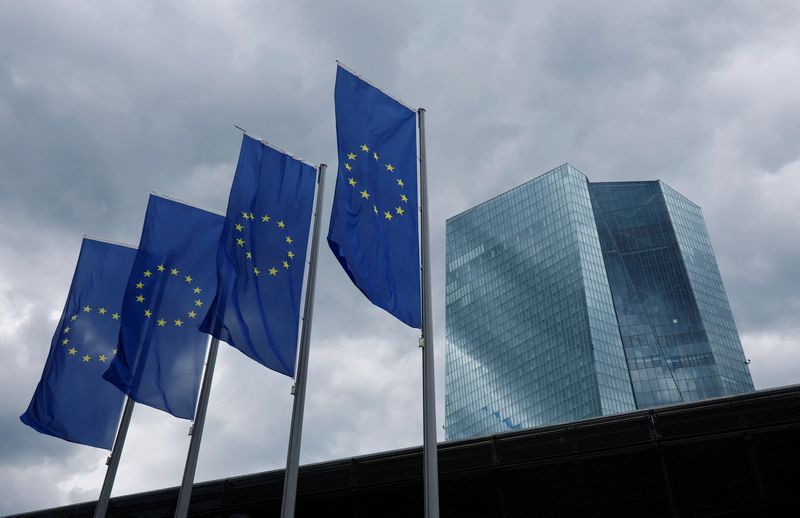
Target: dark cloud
x,y
101,104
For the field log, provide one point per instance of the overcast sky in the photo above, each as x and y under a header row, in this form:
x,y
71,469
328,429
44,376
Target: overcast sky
x,y
102,103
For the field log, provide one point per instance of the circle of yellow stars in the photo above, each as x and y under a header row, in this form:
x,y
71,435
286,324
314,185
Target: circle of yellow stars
x,y
241,242
161,269
365,153
71,347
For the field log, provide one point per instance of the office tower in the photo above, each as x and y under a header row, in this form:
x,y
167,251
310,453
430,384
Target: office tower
x,y
568,299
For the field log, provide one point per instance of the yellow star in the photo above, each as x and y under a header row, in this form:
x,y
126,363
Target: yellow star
x,y
375,209
256,271
374,155
160,268
86,358
286,264
240,242
139,298
65,341
281,224
139,285
351,156
192,314
102,311
248,255
364,147
113,351
365,194
290,254
404,198
148,273
188,279
161,322
244,215
352,182
198,303
174,271
102,358
387,215
389,167
72,351
74,318
197,289
289,239
239,227
273,271
148,313
400,182
347,166
251,216
265,218
66,329
178,323
115,316
87,309
399,210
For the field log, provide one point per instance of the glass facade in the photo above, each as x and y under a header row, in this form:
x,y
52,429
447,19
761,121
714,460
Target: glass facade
x,y
709,292
567,299
532,337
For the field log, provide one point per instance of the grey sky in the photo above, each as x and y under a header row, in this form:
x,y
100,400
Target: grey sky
x,y
102,103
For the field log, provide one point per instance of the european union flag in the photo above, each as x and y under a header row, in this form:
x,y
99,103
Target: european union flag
x,y
72,401
161,350
374,231
261,256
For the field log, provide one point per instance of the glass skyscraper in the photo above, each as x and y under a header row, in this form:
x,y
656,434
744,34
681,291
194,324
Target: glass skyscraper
x,y
567,299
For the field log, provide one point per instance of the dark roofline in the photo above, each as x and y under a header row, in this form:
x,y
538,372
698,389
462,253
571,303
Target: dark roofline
x,y
567,164
510,190
676,191
718,417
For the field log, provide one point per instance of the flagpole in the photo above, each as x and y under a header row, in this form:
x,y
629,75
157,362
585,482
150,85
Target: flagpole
x,y
196,431
113,460
299,389
429,448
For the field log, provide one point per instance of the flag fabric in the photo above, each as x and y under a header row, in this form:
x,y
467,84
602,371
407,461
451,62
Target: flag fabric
x,y
261,256
374,230
72,401
161,350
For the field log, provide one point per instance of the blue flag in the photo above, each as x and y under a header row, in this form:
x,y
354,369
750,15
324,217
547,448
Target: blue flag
x,y
261,256
72,401
374,231
161,350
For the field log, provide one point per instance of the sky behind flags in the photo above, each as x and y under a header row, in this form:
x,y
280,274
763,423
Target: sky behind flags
x,y
72,400
101,104
261,256
161,350
374,231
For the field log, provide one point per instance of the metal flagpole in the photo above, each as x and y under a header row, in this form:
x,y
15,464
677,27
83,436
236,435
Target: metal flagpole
x,y
299,388
430,457
196,431
113,460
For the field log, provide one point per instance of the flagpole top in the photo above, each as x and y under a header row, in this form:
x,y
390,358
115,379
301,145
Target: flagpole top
x,y
276,148
184,202
109,241
375,86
